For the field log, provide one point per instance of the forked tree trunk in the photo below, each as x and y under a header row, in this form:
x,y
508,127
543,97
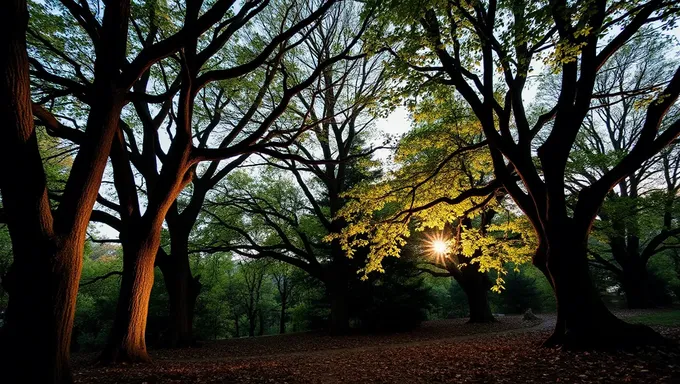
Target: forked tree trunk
x,y
583,319
127,340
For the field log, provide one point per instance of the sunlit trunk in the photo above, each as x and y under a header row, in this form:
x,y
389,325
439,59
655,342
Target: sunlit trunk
x,y
127,340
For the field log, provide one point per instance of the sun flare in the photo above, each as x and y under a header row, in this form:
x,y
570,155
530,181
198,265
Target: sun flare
x,y
439,247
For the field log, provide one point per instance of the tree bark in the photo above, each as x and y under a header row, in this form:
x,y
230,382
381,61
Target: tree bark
x,y
478,303
336,279
584,322
183,290
127,341
48,249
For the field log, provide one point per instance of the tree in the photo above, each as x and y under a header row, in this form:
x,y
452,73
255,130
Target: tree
x,y
636,219
48,244
438,163
443,43
254,274
324,163
286,283
197,72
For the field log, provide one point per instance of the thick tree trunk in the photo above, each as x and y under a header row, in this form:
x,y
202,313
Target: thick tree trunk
x,y
476,286
43,280
478,303
339,319
40,313
583,320
48,250
183,290
636,286
337,285
127,340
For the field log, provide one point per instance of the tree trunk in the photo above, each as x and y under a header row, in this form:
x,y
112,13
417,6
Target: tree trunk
x,y
282,320
476,286
261,317
478,303
183,290
337,284
48,249
635,286
39,318
583,320
252,322
127,340
339,319
43,280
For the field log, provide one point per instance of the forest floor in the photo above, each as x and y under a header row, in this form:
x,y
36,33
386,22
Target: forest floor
x,y
442,351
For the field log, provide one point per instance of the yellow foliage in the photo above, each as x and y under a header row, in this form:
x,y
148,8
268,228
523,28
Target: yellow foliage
x,y
381,216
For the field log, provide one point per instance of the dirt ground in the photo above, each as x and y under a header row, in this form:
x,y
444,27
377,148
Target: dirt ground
x,y
443,351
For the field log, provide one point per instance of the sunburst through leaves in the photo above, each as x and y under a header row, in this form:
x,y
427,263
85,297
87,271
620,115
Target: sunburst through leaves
x,y
439,247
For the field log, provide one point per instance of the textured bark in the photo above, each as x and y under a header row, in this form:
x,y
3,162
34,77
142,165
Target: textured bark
x,y
48,249
30,324
127,339
141,242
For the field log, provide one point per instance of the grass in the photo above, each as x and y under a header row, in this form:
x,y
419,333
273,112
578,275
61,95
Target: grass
x,y
666,318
